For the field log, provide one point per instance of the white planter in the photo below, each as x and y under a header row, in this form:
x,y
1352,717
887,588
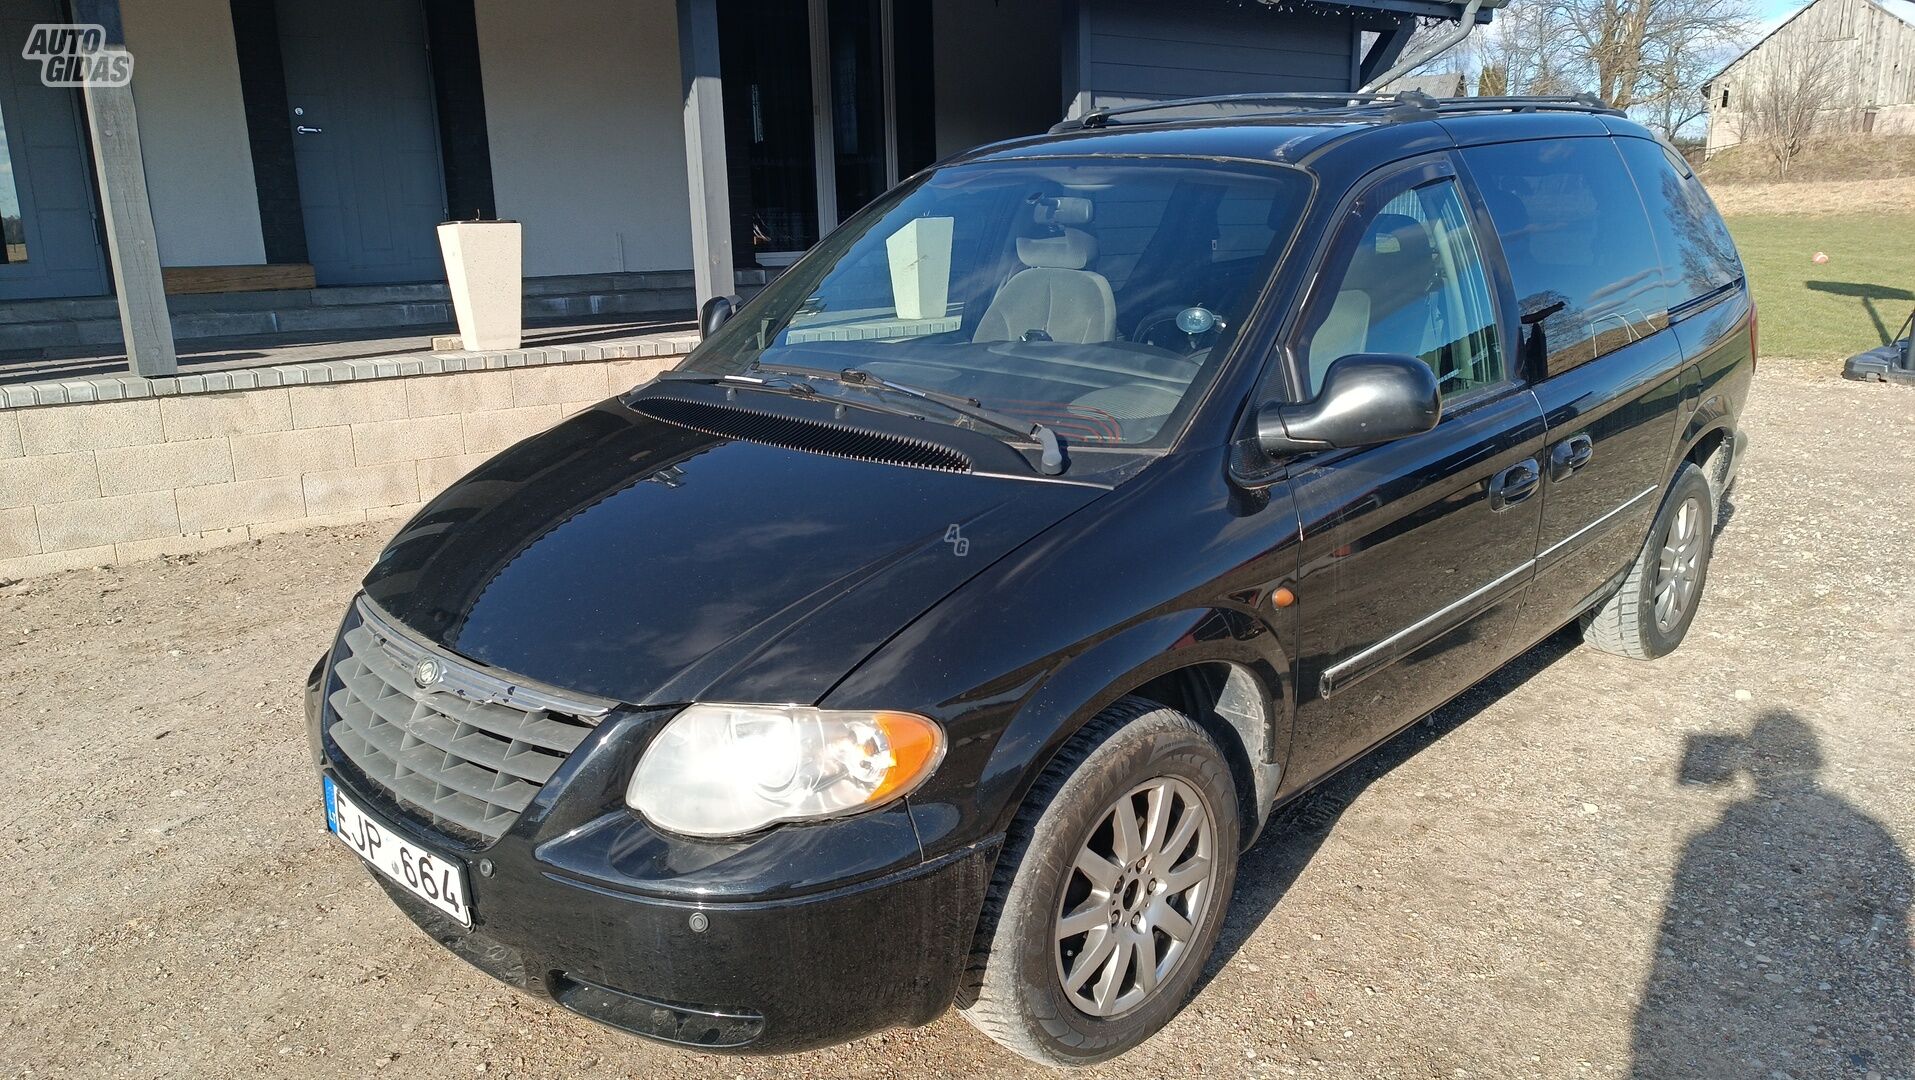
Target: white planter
x,y
920,255
486,278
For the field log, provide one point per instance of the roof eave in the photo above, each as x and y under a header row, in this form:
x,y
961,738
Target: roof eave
x,y
1428,9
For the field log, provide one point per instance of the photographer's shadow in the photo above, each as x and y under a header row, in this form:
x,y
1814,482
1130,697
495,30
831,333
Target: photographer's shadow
x,y
1784,948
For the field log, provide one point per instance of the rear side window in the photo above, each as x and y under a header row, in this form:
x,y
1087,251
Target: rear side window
x,y
1697,255
1584,263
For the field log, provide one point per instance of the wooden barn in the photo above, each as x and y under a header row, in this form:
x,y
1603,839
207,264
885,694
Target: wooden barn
x,y
1851,61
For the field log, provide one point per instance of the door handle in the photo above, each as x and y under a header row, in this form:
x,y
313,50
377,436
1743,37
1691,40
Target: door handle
x,y
1514,484
1569,455
305,130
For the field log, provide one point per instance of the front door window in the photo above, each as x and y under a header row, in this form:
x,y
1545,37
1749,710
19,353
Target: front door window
x,y
1409,280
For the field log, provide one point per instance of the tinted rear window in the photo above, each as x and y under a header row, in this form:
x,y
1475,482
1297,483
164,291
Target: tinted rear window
x,y
1697,254
1587,276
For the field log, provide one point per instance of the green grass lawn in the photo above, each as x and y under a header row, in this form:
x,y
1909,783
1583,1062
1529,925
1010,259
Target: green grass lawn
x,y
1855,301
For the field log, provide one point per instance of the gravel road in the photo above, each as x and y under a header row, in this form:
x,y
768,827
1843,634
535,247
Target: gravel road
x,y
1587,867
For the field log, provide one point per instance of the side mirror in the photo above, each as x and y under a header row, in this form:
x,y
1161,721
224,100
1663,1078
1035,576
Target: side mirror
x,y
714,313
1367,398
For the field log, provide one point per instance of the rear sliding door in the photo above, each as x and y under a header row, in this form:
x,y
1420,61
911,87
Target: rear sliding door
x,y
1593,318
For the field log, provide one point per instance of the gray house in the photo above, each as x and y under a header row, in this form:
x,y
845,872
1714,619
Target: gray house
x,y
283,146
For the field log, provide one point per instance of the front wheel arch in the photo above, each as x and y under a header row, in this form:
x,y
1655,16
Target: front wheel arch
x,y
1152,659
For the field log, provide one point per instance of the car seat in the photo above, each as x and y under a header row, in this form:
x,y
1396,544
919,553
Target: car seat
x,y
1054,298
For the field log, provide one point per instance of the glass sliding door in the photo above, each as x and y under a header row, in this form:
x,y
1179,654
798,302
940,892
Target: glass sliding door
x,y
913,72
770,147
811,114
861,143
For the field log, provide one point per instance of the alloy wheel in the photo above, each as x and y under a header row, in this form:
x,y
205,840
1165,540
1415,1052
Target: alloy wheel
x,y
1134,897
1678,568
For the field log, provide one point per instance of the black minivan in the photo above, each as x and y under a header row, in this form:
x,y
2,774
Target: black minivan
x,y
946,625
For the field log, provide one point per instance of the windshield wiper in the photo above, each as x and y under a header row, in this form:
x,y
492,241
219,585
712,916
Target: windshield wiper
x,y
776,382
1052,459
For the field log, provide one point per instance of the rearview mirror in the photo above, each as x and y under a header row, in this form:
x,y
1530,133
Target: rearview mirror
x,y
1367,398
714,313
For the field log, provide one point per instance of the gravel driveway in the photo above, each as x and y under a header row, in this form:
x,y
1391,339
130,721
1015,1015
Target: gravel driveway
x,y
1587,867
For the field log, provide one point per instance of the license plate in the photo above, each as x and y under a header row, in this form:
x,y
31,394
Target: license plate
x,y
436,879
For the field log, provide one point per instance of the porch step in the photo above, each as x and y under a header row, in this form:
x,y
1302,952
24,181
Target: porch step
x,y
51,329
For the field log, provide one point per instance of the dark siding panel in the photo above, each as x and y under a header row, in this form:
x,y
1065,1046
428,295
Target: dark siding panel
x,y
1115,81
1139,50
1238,58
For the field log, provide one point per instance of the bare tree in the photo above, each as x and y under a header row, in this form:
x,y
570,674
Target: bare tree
x,y
1672,97
1524,46
1648,56
1629,52
1796,86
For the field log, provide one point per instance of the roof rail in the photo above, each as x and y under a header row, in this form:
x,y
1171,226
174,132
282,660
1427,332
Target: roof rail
x,y
1389,105
1530,103
1286,101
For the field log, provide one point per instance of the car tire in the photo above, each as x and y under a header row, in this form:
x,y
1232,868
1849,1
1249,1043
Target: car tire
x,y
1142,756
1650,613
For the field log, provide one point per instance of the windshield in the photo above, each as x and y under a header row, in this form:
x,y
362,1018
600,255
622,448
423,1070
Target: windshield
x,y
1097,297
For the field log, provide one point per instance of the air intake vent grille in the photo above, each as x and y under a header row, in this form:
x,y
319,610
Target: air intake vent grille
x,y
814,436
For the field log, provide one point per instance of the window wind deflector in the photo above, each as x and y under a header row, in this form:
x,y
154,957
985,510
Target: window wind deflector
x,y
835,427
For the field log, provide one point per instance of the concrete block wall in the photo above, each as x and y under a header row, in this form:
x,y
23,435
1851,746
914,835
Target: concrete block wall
x,y
101,482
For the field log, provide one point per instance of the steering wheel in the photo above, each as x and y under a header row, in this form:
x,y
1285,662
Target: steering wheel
x,y
1179,329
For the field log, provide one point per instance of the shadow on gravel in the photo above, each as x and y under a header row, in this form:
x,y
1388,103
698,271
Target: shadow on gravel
x,y
1296,831
1784,950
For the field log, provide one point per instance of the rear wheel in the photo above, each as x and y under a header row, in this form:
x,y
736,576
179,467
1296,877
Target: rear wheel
x,y
1650,614
1111,889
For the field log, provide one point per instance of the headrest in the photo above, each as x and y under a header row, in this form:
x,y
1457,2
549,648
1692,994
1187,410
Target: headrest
x,y
1064,210
1392,263
1397,234
1072,249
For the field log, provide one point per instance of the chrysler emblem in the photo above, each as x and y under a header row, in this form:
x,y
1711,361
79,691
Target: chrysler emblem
x,y
427,672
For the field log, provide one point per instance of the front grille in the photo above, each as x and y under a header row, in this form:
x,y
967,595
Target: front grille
x,y
467,765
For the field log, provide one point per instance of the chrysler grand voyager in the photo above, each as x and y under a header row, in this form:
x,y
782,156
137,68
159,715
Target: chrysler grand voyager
x,y
946,625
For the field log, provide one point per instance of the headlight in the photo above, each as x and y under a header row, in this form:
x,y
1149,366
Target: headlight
x,y
723,770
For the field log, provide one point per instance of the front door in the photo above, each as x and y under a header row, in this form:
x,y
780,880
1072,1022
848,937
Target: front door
x,y
52,239
1416,553
365,142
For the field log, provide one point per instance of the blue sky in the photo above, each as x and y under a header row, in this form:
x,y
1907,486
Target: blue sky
x,y
1771,11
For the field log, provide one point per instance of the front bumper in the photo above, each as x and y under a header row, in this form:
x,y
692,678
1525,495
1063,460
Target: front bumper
x,y
799,938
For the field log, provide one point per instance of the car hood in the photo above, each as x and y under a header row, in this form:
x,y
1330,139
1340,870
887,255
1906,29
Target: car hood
x,y
625,557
